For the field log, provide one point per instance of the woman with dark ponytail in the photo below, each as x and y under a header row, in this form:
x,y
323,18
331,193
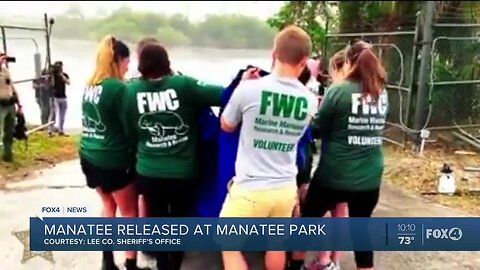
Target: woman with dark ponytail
x,y
106,155
351,118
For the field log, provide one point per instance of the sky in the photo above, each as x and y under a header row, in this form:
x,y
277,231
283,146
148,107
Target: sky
x,y
195,10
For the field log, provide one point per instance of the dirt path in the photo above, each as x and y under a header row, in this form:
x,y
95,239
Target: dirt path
x,y
65,184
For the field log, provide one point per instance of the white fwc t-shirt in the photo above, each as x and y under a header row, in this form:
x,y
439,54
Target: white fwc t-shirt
x,y
274,113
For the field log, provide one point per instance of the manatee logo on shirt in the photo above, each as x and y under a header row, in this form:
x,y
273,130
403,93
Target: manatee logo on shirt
x,y
93,126
159,120
91,117
161,124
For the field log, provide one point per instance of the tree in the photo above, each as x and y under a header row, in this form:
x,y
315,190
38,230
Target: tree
x,y
181,23
224,31
456,60
172,37
312,16
387,16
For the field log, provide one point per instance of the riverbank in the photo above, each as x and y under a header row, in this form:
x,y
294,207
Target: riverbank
x,y
41,151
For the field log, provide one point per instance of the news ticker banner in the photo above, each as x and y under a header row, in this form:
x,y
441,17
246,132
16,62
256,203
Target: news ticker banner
x,y
255,234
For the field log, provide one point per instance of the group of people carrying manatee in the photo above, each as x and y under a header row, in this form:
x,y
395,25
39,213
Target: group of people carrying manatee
x,y
142,137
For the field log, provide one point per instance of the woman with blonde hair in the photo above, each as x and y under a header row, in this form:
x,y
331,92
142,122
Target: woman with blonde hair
x,y
106,155
331,259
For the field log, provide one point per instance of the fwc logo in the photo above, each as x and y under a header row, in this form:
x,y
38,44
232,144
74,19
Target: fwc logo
x,y
453,234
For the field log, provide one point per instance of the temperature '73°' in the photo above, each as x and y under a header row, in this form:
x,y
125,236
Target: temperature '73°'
x,y
406,240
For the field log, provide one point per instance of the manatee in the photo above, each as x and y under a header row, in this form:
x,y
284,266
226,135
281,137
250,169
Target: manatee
x,y
158,123
155,129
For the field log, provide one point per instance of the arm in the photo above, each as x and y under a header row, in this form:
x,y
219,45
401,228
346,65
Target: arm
x,y
213,95
322,120
206,94
232,115
124,110
226,126
65,78
16,99
36,84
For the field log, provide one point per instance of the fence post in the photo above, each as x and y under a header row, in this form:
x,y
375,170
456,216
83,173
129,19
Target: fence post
x,y
47,40
413,83
423,84
4,42
324,51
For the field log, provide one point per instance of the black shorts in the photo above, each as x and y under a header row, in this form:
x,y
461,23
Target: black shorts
x,y
166,197
321,199
109,180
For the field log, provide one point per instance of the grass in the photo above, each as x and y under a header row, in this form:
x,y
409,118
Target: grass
x,y
419,175
42,151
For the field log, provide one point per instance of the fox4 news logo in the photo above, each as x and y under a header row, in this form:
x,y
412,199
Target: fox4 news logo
x,y
453,234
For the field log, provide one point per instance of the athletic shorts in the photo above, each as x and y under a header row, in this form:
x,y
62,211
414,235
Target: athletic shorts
x,y
277,202
321,199
109,180
167,197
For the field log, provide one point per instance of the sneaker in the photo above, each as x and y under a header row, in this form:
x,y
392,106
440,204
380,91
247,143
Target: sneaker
x,y
315,265
63,134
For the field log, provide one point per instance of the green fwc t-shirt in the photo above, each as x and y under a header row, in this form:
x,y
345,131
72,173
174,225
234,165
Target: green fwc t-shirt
x,y
351,125
163,122
104,142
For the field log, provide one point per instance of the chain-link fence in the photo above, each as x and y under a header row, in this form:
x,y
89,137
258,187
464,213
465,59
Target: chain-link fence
x,y
455,82
395,50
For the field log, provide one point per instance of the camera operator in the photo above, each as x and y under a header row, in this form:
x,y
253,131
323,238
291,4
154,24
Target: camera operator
x,y
59,106
8,100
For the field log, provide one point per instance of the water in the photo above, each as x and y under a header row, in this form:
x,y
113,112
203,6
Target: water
x,y
211,65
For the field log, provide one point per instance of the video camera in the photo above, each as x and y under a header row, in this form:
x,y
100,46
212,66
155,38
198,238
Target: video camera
x,y
56,68
9,59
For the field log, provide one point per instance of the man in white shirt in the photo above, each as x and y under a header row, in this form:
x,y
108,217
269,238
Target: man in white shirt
x,y
274,112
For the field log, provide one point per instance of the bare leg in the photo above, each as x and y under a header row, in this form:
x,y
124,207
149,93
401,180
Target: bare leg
x,y
233,260
126,200
142,207
109,210
109,206
340,211
275,260
324,257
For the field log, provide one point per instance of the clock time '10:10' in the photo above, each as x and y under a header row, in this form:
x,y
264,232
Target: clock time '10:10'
x,y
406,227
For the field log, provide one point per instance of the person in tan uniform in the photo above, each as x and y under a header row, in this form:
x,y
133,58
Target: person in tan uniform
x,y
8,100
